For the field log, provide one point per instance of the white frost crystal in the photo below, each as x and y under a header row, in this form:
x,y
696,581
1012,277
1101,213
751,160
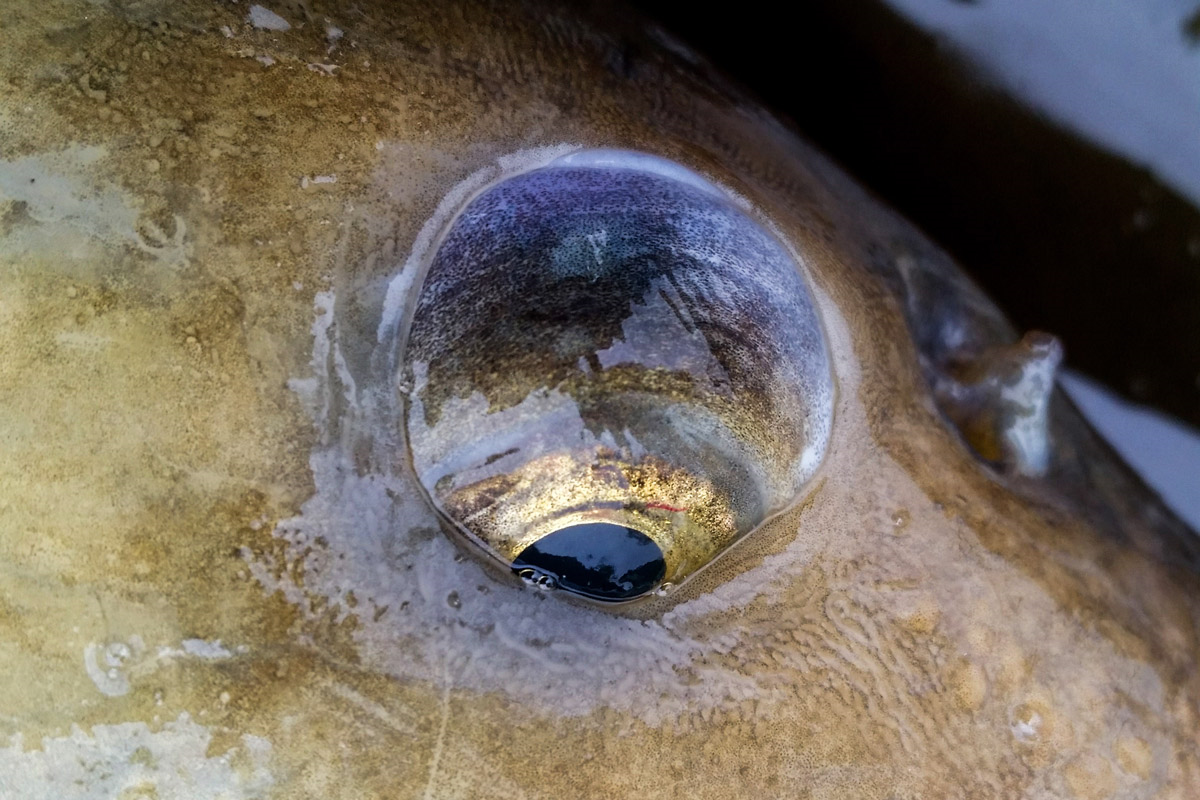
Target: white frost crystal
x,y
261,17
171,763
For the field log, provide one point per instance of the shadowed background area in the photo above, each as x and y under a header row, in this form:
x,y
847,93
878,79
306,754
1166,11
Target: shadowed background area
x,y
1067,236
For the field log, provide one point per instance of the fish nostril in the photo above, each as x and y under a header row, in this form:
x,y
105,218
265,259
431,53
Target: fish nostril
x,y
599,560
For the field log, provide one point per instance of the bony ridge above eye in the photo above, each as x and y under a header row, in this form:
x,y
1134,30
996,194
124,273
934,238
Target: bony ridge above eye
x,y
615,374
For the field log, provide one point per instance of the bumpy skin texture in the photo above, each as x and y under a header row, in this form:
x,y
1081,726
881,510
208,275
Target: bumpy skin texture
x,y
199,445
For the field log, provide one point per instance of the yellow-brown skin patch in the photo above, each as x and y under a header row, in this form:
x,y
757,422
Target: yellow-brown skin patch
x,y
1005,642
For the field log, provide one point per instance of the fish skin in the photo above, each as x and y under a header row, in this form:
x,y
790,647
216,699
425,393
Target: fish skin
x,y
199,232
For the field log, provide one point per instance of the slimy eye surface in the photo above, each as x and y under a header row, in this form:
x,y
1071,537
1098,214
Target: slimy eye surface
x,y
613,373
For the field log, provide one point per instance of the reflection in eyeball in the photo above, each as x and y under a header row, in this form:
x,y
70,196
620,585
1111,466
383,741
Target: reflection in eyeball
x,y
613,373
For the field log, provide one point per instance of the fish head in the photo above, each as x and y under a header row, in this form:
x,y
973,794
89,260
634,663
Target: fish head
x,y
320,330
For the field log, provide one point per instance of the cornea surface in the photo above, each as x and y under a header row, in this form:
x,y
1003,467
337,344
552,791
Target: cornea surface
x,y
606,302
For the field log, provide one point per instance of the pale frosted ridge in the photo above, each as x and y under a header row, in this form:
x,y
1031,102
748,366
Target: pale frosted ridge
x,y
59,191
130,759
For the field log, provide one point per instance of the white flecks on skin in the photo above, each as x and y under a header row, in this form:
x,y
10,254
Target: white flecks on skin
x,y
266,19
130,759
83,342
1027,730
75,212
532,158
114,665
1026,432
107,664
317,180
309,389
205,649
389,717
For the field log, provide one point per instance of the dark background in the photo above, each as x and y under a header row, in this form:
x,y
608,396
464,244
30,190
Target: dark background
x,y
1066,237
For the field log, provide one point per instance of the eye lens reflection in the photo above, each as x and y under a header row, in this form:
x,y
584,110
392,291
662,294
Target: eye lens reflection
x,y
597,560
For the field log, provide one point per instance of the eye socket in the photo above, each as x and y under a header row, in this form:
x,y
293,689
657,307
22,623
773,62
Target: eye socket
x,y
610,362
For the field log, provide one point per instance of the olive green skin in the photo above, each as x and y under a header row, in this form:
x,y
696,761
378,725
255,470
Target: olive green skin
x,y
922,625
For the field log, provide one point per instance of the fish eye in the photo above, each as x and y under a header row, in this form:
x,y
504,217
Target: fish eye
x,y
599,560
612,372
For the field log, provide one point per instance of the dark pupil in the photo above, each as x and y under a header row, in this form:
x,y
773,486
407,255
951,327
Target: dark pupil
x,y
598,560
